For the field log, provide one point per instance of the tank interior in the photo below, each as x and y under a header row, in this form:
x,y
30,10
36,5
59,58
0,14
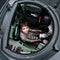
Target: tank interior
x,y
37,18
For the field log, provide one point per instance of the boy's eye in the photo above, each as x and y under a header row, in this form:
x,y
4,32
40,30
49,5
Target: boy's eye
x,y
24,28
27,27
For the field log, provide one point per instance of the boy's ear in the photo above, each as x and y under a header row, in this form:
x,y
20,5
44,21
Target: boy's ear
x,y
20,29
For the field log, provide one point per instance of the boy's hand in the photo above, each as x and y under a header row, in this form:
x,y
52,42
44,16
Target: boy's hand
x,y
40,39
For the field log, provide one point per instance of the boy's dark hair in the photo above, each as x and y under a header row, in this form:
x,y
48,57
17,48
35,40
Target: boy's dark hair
x,y
23,24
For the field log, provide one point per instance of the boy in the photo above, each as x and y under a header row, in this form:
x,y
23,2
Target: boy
x,y
26,34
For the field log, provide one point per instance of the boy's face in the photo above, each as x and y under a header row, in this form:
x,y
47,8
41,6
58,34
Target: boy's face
x,y
25,29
